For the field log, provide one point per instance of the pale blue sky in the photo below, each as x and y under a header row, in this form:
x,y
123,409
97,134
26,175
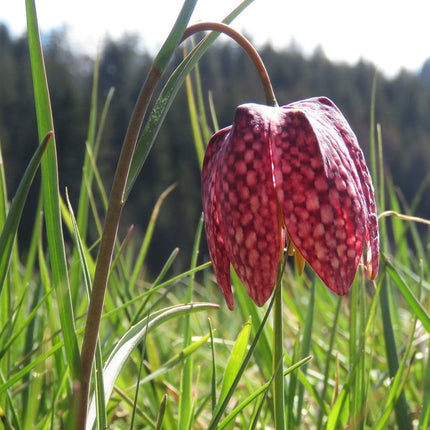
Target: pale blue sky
x,y
390,33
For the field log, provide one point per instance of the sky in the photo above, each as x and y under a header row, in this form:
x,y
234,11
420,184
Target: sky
x,y
391,34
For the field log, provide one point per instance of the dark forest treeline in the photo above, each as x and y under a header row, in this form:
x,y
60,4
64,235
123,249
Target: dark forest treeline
x,y
402,109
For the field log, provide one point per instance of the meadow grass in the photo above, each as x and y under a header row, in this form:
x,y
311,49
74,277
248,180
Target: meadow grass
x,y
169,354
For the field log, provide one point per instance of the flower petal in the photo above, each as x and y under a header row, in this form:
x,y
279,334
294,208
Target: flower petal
x,y
248,205
372,234
211,208
320,189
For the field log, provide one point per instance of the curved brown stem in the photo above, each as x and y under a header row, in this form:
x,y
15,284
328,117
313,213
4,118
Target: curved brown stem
x,y
107,243
246,45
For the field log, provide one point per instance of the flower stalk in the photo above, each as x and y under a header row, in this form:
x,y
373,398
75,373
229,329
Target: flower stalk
x,y
246,45
278,356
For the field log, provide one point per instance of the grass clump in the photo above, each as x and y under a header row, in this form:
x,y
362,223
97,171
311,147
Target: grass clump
x,y
167,354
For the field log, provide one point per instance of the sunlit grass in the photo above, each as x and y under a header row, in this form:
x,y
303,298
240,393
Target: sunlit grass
x,y
170,354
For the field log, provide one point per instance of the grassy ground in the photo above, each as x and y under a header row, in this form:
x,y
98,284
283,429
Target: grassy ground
x,y
169,353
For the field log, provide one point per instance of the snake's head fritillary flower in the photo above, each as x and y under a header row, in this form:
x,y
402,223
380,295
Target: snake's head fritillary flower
x,y
290,176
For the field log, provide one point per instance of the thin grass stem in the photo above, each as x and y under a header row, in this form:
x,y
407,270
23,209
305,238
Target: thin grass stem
x,y
278,382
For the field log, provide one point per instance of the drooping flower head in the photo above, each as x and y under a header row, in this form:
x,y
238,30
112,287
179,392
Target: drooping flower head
x,y
292,174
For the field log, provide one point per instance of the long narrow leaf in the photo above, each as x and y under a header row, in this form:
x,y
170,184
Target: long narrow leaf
x,y
166,98
186,397
87,179
259,391
98,364
425,411
51,194
234,362
3,192
12,380
128,342
14,216
17,332
263,350
165,54
162,410
401,408
396,390
194,120
140,260
336,409
306,347
178,358
408,295
87,171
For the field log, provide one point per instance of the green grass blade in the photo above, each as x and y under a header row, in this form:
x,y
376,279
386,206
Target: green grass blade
x,y
212,111
424,421
131,339
136,395
279,411
87,179
178,358
82,252
357,353
41,358
10,228
221,407
5,298
399,226
23,326
185,412
206,132
260,391
159,65
257,410
155,285
32,249
263,350
194,119
140,260
166,98
234,362
372,140
33,386
329,355
87,171
3,192
98,363
7,425
51,194
416,307
381,171
396,390
162,410
213,361
401,408
306,348
153,289
165,54
336,410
